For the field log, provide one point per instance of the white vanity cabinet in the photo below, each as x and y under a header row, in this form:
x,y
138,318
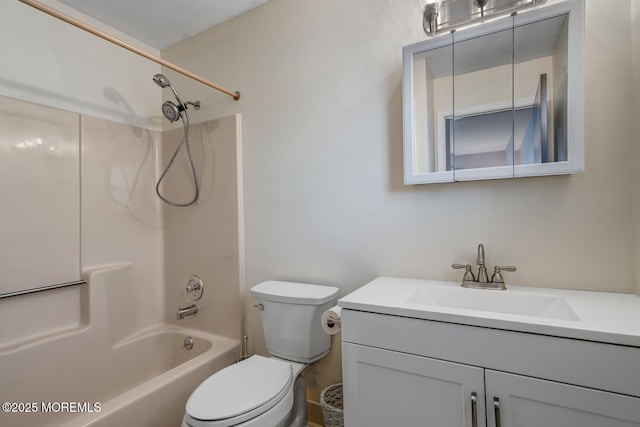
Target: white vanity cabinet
x,y
388,388
400,371
530,402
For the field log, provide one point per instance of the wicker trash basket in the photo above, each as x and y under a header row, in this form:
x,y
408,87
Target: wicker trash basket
x,y
332,406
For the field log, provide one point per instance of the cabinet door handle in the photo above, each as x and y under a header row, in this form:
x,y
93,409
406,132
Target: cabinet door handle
x,y
474,409
496,410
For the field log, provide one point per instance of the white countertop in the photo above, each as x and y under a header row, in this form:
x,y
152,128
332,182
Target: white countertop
x,y
602,316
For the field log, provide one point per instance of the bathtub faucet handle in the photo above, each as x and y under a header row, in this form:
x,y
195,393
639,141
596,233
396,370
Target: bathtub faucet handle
x,y
194,288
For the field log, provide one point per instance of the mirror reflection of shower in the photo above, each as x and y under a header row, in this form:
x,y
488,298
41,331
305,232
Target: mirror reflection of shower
x,y
174,112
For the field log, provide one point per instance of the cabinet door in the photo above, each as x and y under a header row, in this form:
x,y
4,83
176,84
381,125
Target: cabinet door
x,y
530,402
385,388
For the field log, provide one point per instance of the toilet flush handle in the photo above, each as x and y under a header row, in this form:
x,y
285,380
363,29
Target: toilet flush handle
x,y
259,306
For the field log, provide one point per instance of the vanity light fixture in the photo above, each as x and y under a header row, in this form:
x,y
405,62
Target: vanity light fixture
x,y
430,16
446,15
482,4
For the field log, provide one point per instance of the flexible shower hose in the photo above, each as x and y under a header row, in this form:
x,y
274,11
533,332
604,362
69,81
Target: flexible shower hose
x,y
184,142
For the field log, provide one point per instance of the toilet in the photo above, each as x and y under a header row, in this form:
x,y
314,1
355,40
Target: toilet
x,y
269,391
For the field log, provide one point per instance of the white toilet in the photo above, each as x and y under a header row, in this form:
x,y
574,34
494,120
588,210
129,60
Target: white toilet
x,y
269,392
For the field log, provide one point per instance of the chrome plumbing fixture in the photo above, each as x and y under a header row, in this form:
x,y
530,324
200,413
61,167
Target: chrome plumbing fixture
x,y
483,282
194,288
244,354
482,270
188,343
170,110
186,311
174,112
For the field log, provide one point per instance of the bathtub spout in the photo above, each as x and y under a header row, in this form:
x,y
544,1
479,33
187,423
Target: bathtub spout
x,y
186,311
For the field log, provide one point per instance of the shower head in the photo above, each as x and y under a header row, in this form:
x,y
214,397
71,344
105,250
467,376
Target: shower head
x,y
170,110
164,82
161,81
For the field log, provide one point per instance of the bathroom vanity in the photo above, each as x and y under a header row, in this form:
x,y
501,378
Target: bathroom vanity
x,y
421,352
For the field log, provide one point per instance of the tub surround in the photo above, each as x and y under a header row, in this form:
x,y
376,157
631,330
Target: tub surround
x,y
119,220
107,212
113,216
103,360
205,239
39,171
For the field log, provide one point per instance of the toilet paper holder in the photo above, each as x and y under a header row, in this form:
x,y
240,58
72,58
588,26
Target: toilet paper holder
x,y
331,322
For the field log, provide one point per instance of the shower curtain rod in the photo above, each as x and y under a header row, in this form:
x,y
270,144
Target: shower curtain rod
x,y
69,20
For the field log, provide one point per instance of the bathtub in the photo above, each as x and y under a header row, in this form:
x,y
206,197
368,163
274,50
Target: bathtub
x,y
91,376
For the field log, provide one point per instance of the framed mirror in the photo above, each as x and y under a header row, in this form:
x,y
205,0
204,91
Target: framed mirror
x,y
499,100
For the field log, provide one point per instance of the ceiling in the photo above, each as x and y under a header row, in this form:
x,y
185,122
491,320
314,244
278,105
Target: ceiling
x,y
162,23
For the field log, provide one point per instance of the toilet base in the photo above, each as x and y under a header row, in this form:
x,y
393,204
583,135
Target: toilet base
x,y
298,415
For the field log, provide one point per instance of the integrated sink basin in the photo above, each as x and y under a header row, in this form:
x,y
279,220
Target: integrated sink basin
x,y
594,316
505,302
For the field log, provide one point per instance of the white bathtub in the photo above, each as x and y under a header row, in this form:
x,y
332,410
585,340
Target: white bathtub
x,y
83,378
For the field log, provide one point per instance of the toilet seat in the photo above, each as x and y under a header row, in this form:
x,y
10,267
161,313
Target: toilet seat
x,y
240,392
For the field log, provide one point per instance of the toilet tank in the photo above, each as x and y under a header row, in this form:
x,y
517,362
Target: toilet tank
x,y
291,315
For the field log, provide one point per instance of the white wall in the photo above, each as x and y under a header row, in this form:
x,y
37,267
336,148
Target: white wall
x,y
635,55
49,62
322,143
322,157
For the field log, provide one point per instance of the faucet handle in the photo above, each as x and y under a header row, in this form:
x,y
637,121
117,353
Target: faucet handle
x,y
457,266
468,274
497,276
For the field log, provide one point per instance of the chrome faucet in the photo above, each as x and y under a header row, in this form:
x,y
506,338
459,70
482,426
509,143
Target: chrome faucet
x,y
482,270
483,282
186,311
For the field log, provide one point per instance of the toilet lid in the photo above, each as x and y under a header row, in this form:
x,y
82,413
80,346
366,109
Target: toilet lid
x,y
245,389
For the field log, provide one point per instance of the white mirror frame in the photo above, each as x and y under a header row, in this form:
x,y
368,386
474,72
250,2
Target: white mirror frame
x,y
575,97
